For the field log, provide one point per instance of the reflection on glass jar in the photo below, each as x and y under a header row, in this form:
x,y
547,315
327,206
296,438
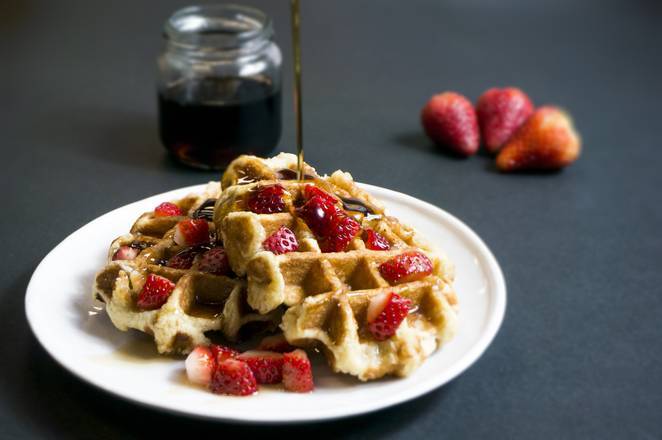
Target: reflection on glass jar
x,y
219,88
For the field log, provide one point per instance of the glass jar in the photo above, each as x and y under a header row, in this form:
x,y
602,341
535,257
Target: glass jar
x,y
219,88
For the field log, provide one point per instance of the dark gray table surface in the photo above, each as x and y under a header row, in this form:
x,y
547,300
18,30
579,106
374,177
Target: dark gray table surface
x,y
579,354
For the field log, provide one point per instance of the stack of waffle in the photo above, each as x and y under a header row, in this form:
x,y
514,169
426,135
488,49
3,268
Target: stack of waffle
x,y
319,299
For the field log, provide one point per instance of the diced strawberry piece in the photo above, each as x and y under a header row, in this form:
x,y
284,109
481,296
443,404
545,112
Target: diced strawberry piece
x,y
167,209
386,312
267,199
317,213
200,365
267,366
375,241
233,377
221,352
155,292
330,224
310,191
343,230
191,232
406,267
281,242
276,343
215,261
297,372
125,253
182,259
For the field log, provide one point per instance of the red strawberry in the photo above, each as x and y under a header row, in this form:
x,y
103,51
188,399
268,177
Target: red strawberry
x,y
233,377
221,352
386,312
155,292
317,213
406,267
200,365
547,141
297,372
191,232
182,259
267,366
343,230
449,119
125,253
500,113
311,191
276,343
167,209
281,242
329,223
375,241
267,199
215,261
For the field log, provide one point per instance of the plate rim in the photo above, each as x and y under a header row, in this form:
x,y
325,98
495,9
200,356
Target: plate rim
x,y
491,325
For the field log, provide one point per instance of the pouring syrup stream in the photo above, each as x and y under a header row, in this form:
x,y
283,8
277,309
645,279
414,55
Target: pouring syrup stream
x,y
296,49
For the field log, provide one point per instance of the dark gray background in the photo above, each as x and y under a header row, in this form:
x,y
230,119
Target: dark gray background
x,y
579,353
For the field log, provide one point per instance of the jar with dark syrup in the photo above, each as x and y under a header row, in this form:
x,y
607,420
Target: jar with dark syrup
x,y
219,90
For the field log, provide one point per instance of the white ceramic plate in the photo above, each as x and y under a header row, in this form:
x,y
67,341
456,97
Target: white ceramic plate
x,y
74,329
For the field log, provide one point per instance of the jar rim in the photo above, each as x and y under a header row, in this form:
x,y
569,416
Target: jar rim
x,y
217,27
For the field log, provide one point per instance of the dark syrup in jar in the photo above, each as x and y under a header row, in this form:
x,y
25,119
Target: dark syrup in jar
x,y
210,122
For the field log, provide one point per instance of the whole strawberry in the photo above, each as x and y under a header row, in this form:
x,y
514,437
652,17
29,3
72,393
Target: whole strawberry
x,y
449,119
547,141
500,113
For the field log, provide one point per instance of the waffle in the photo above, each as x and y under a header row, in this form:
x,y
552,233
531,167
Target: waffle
x,y
193,205
317,299
200,303
327,293
335,321
285,279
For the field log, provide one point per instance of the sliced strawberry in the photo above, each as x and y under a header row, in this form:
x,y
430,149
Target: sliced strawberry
x,y
386,312
297,372
343,230
215,261
317,213
125,253
281,242
182,259
155,292
334,228
406,267
191,232
233,377
221,352
200,365
375,241
167,209
276,343
310,191
267,199
267,366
